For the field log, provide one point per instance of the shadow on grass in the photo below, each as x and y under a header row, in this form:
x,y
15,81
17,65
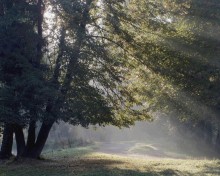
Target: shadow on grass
x,y
84,167
212,170
79,162
106,167
130,172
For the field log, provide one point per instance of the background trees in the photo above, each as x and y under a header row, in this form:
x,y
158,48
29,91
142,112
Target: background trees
x,y
181,61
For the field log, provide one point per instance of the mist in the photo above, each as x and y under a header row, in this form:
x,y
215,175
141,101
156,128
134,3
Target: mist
x,y
164,137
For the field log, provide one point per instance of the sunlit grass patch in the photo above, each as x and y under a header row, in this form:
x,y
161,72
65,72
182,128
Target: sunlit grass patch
x,y
152,151
84,161
70,152
122,165
143,148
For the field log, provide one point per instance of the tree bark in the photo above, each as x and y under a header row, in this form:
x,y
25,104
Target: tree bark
x,y
20,141
40,12
41,140
7,142
217,143
57,71
31,135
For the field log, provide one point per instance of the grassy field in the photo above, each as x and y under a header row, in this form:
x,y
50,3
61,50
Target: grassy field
x,y
85,161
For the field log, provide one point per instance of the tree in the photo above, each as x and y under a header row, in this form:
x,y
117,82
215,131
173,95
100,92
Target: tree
x,y
20,75
179,65
70,70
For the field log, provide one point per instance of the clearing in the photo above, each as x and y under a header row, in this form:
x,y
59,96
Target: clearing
x,y
109,160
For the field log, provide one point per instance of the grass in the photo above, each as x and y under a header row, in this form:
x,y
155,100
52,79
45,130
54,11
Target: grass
x,y
85,161
156,151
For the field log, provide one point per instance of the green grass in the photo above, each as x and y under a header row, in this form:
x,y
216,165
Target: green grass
x,y
85,161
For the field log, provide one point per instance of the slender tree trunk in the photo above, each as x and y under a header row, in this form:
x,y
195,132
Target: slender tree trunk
x,y
31,135
20,141
208,133
40,12
30,139
41,140
217,143
7,142
56,73
81,34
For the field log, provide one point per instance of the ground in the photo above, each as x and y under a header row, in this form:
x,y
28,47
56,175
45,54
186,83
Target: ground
x,y
109,160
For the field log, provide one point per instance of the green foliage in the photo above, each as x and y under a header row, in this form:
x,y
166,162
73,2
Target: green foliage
x,y
80,76
108,62
21,81
176,56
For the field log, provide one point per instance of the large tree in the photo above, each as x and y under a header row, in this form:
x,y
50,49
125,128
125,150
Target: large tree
x,y
66,65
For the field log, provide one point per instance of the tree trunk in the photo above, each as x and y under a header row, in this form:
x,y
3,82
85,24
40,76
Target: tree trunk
x,y
208,133
80,36
58,64
217,143
7,142
31,138
20,141
40,12
41,140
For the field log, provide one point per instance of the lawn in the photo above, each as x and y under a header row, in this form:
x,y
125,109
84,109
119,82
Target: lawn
x,y
85,161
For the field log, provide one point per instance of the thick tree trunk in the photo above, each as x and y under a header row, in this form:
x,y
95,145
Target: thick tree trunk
x,y
20,141
41,140
31,137
7,142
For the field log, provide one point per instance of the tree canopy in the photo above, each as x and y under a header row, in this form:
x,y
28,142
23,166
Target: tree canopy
x,y
68,66
178,47
105,62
